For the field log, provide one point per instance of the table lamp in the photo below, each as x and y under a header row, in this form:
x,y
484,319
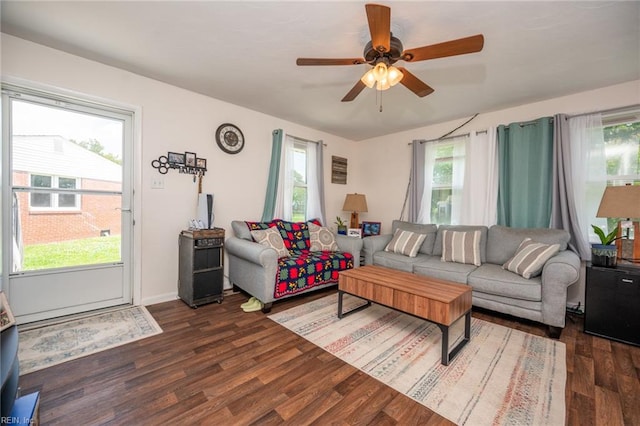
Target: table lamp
x,y
355,203
623,202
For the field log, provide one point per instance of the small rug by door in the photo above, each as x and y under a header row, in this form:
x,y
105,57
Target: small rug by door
x,y
54,344
502,376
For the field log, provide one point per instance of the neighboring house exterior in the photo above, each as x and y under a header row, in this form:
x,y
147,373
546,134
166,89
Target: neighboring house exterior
x,y
55,162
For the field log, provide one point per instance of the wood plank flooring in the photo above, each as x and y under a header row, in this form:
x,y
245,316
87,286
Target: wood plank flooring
x,y
217,365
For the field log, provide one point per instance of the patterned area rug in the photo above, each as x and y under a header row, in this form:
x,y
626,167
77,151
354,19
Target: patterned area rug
x,y
502,376
50,345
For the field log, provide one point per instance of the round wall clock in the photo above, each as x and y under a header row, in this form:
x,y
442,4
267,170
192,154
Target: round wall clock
x,y
229,138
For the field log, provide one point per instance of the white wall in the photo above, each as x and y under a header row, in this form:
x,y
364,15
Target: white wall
x,y
173,119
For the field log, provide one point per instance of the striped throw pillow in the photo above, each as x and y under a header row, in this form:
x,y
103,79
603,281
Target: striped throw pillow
x,y
461,247
530,258
405,242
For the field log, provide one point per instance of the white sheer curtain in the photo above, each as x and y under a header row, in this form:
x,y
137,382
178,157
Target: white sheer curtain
x,y
284,197
429,162
315,208
457,177
589,171
480,191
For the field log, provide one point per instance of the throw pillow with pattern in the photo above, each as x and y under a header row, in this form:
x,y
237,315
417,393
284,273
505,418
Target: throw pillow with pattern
x,y
405,242
322,239
461,247
270,237
295,234
530,258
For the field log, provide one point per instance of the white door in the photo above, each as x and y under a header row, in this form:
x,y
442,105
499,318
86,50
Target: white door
x,y
67,175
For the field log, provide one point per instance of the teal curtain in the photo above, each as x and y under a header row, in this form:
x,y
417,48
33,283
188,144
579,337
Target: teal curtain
x,y
274,171
525,152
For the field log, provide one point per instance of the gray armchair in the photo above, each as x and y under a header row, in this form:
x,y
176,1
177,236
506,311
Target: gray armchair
x,y
253,267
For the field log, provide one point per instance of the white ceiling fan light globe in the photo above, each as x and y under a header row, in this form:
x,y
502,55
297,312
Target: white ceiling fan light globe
x,y
394,75
369,78
380,71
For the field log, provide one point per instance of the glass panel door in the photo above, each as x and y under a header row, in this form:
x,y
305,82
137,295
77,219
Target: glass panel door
x,y
71,217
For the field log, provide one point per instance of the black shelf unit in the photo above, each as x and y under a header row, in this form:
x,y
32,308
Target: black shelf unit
x,y
612,303
201,266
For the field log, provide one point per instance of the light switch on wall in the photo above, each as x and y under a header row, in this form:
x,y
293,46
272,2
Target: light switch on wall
x,y
157,183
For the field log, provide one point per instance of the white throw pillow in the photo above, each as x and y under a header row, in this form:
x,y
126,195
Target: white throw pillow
x,y
271,238
530,258
322,239
461,247
405,242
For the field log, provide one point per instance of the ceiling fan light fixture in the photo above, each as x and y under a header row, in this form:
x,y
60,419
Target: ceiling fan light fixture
x,y
369,78
380,71
383,84
394,75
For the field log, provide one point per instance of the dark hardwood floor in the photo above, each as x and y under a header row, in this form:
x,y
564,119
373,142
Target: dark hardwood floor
x,y
217,365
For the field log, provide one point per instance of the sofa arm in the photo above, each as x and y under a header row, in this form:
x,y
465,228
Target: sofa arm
x,y
558,273
351,245
251,251
373,244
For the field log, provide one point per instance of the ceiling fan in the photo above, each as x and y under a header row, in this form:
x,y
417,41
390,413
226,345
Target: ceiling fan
x,y
384,50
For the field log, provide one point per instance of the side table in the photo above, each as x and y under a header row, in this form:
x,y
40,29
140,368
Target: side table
x,y
612,302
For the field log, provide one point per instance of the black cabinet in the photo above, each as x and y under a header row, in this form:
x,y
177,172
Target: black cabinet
x,y
201,266
612,305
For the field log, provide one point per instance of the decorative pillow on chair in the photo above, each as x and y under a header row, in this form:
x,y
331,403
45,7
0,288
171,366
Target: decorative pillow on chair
x,y
405,242
461,247
271,237
530,258
321,238
294,234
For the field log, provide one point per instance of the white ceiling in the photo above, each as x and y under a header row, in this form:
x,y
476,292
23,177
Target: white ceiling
x,y
245,52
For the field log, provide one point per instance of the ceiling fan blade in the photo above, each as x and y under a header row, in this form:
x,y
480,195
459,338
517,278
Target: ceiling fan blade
x,y
448,48
414,84
329,61
379,18
355,91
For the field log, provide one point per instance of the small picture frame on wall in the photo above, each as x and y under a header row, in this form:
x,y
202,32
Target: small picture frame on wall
x,y
176,158
190,159
370,228
201,163
354,232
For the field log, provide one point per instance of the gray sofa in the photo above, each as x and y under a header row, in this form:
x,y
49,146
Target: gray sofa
x,y
542,298
253,267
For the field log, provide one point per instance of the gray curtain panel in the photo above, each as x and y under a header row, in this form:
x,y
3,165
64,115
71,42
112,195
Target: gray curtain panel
x,y
525,153
274,170
416,184
563,208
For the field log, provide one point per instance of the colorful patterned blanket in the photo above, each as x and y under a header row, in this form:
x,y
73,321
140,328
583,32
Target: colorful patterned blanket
x,y
304,269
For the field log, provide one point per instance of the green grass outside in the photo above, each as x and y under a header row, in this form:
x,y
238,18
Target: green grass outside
x,y
88,251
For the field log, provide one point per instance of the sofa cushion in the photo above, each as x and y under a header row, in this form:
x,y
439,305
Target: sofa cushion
x,y
437,246
397,261
461,247
502,241
530,258
433,266
242,229
419,228
294,234
405,242
322,239
271,238
492,279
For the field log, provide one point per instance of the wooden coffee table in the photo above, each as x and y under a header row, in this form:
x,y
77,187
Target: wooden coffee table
x,y
437,301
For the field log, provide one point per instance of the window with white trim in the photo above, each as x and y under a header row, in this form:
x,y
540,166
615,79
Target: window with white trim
x,y
53,201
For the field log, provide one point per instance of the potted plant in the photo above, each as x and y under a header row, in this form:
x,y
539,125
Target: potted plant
x,y
342,228
605,253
